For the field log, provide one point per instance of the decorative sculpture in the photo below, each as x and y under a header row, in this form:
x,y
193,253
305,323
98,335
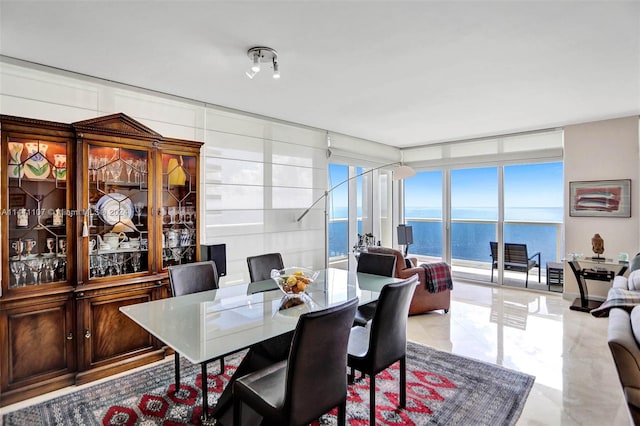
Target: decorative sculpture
x,y
597,245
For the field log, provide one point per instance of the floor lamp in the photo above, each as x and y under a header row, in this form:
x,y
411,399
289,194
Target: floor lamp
x,y
405,237
400,172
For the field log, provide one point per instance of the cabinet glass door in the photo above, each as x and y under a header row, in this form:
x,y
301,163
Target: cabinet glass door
x,y
38,210
178,212
118,213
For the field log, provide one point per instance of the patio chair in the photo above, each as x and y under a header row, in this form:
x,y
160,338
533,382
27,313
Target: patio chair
x,y
516,258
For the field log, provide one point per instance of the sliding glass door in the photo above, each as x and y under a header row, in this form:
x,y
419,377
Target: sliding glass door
x,y
531,197
533,216
423,212
474,219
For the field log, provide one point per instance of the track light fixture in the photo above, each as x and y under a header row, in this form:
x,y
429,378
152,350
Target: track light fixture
x,y
260,55
256,62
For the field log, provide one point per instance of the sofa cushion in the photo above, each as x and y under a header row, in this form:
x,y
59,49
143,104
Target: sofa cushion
x,y
633,281
620,282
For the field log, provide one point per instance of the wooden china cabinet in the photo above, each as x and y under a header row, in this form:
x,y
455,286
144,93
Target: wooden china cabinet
x,y
37,328
93,214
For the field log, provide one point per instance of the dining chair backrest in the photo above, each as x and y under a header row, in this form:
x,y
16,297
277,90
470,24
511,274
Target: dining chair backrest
x,y
260,266
388,335
377,264
193,277
318,362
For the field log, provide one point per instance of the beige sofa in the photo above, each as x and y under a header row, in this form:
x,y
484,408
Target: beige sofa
x,y
422,301
623,338
624,342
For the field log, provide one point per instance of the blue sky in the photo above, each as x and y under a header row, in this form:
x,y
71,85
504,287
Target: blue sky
x,y
531,185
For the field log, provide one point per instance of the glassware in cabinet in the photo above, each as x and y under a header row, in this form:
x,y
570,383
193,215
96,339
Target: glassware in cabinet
x,y
178,213
117,211
37,211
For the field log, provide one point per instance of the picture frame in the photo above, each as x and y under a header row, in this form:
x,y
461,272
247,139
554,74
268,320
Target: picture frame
x,y
600,198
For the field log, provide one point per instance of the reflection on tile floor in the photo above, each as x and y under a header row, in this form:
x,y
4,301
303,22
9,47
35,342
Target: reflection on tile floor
x,y
532,332
536,333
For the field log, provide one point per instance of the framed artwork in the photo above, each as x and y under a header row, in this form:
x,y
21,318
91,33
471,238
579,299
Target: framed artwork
x,y
600,198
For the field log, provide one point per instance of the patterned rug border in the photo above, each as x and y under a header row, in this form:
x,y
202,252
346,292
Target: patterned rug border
x,y
443,389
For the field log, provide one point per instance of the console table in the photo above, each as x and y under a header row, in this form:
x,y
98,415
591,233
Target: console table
x,y
601,271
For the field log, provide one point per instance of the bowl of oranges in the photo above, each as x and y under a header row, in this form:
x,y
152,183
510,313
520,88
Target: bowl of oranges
x,y
293,281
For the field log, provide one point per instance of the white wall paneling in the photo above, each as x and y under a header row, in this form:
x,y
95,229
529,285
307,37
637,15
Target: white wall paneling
x,y
258,174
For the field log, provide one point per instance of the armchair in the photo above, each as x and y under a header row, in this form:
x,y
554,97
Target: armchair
x,y
422,300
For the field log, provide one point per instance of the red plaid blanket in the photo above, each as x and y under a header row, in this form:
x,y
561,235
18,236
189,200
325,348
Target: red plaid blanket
x,y
438,277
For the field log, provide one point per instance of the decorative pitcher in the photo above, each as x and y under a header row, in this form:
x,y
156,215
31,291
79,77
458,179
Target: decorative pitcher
x,y
112,239
172,238
22,220
185,237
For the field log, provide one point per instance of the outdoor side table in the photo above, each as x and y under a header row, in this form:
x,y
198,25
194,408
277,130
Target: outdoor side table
x,y
555,276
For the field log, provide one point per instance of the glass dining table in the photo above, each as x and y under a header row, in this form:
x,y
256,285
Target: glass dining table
x,y
208,325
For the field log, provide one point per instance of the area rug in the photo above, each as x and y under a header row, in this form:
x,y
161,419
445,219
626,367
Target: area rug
x,y
442,389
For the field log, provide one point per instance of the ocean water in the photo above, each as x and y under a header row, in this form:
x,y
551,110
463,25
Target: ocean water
x,y
470,241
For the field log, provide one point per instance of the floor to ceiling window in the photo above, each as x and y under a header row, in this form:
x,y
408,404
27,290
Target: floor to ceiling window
x,y
338,211
533,214
359,204
363,201
423,212
474,215
343,214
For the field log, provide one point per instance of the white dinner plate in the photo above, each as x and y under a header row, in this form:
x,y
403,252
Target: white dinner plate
x,y
114,208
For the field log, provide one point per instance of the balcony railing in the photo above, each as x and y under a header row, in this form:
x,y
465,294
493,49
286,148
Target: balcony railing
x,y
470,252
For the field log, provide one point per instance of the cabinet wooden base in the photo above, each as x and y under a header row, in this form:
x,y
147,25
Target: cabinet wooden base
x,y
118,367
18,394
21,393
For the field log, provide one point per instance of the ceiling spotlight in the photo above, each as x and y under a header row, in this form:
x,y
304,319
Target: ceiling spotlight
x,y
264,55
256,62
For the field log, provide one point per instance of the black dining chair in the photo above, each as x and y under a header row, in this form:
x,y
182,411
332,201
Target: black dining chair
x,y
372,350
192,278
376,264
312,381
260,266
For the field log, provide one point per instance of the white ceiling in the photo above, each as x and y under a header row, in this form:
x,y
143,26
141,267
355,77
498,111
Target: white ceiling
x,y
400,73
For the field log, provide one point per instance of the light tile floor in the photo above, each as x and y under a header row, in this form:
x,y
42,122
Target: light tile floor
x,y
532,332
536,333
